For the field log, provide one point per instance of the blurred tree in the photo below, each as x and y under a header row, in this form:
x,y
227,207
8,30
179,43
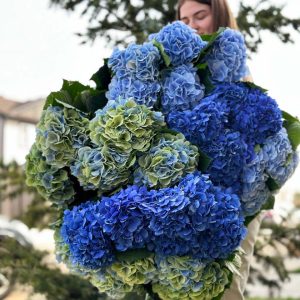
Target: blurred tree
x,y
21,264
122,21
276,243
39,213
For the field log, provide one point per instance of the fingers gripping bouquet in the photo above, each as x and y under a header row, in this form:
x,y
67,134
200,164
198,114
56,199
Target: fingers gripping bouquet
x,y
157,171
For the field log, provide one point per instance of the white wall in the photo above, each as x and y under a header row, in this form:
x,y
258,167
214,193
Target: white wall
x,y
18,138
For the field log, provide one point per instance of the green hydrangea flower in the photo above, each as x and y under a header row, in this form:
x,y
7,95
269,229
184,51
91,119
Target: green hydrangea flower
x,y
95,171
184,278
60,132
51,182
109,284
169,158
127,125
141,271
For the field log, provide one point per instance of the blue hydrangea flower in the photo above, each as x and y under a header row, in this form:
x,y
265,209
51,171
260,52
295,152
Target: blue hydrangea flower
x,y
117,63
181,88
251,112
254,191
194,217
225,229
82,232
181,43
136,72
143,92
229,154
227,58
202,124
142,61
122,219
281,160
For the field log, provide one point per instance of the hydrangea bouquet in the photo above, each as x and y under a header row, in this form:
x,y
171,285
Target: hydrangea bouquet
x,y
157,170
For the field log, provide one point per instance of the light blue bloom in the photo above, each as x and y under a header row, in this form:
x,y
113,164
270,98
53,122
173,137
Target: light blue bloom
x,y
227,58
181,88
181,43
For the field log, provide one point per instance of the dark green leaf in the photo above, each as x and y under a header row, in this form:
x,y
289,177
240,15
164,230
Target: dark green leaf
x,y
254,86
204,161
210,39
294,134
133,255
272,184
292,125
57,98
204,74
269,204
163,54
289,117
168,130
102,77
75,95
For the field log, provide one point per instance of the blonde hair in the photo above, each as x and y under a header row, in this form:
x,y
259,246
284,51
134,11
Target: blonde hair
x,y
221,12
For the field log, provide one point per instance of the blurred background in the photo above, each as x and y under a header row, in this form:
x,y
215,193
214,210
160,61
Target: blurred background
x,y
43,42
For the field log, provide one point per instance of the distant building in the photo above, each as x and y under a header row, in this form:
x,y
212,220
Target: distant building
x,y
17,134
17,128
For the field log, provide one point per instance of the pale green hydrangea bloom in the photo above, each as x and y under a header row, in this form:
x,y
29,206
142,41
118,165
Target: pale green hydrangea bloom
x,y
170,157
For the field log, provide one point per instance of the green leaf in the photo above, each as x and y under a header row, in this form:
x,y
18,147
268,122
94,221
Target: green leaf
x,y
272,184
133,255
57,99
289,117
102,77
204,161
204,74
163,54
75,95
269,204
210,39
292,126
254,86
293,131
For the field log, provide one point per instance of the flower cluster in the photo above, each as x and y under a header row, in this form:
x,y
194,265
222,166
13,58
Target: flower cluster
x,y
82,232
142,215
169,158
59,133
282,160
94,171
228,125
51,182
182,89
186,278
128,125
136,72
227,59
180,42
194,218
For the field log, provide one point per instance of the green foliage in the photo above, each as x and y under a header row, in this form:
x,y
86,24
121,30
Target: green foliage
x,y
292,126
12,186
262,16
133,255
137,19
24,265
84,98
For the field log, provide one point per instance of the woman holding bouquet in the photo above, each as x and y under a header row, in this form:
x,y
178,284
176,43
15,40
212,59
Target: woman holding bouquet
x,y
206,16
